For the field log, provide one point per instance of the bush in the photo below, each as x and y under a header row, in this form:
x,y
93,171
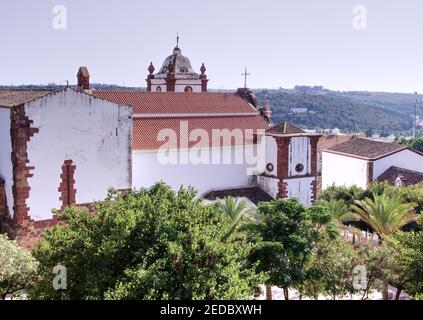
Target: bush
x,y
17,268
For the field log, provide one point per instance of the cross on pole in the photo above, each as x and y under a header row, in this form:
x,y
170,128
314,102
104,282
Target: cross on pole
x,y
245,74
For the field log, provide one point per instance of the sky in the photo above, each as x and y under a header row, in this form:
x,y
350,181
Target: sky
x,y
376,46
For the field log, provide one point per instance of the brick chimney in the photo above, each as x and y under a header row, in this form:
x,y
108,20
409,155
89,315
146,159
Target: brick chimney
x,y
83,78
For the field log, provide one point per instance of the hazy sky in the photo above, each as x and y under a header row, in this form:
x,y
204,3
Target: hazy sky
x,y
282,42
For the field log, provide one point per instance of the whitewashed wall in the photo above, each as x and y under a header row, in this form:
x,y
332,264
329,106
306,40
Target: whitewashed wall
x,y
78,127
299,153
300,188
147,170
404,159
6,168
268,185
342,170
271,154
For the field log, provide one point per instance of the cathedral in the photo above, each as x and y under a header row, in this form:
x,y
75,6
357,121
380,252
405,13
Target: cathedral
x,y
69,146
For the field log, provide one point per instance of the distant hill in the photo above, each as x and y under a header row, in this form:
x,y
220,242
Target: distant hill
x,y
319,108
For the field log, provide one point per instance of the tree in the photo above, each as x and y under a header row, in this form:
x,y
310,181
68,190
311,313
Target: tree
x,y
147,244
238,212
329,270
288,232
384,214
17,268
404,252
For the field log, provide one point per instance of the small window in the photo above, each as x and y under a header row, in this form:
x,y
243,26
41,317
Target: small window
x,y
159,89
188,89
299,168
270,167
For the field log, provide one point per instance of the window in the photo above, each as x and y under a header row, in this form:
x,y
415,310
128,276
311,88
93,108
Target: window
x,y
188,89
159,89
299,168
269,167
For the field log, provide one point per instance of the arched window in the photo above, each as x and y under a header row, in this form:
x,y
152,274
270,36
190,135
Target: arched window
x,y
159,89
188,89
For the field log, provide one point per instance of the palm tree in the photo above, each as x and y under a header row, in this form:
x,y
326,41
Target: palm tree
x,y
385,214
239,212
339,210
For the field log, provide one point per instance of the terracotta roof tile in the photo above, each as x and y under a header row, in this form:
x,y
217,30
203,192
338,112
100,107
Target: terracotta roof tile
x,y
408,177
15,97
178,102
284,128
326,142
146,130
366,148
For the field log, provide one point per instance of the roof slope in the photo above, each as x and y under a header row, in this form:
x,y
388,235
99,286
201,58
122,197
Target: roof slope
x,y
285,128
146,131
408,177
366,148
330,141
14,97
178,102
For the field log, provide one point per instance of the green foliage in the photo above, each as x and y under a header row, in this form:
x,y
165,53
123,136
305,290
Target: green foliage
x,y
328,272
239,212
288,232
17,268
347,194
150,244
339,210
416,144
385,214
404,263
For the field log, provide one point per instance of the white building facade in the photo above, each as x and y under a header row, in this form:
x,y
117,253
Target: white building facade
x,y
361,161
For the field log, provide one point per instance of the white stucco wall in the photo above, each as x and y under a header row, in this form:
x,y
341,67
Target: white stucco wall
x,y
94,133
300,188
299,153
404,159
205,177
6,168
342,170
268,185
271,154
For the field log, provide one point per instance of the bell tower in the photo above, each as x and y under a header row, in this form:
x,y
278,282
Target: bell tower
x,y
177,75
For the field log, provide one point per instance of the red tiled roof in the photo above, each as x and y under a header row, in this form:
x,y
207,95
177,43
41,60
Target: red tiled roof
x,y
15,97
366,148
146,130
178,102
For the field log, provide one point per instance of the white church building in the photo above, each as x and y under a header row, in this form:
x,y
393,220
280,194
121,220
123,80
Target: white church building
x,y
68,147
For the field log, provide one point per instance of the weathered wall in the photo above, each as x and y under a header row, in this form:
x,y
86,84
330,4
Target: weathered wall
x,y
93,133
300,188
299,153
405,159
6,168
343,170
268,185
147,170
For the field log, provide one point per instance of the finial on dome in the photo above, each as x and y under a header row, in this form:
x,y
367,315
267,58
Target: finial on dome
x,y
151,68
177,40
203,68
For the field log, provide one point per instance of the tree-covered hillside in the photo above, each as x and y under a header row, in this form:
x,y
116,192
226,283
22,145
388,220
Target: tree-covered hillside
x,y
327,111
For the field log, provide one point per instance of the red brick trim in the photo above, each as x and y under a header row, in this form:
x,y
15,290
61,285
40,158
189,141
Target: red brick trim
x,y
21,133
67,185
370,170
282,156
282,190
313,185
313,142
